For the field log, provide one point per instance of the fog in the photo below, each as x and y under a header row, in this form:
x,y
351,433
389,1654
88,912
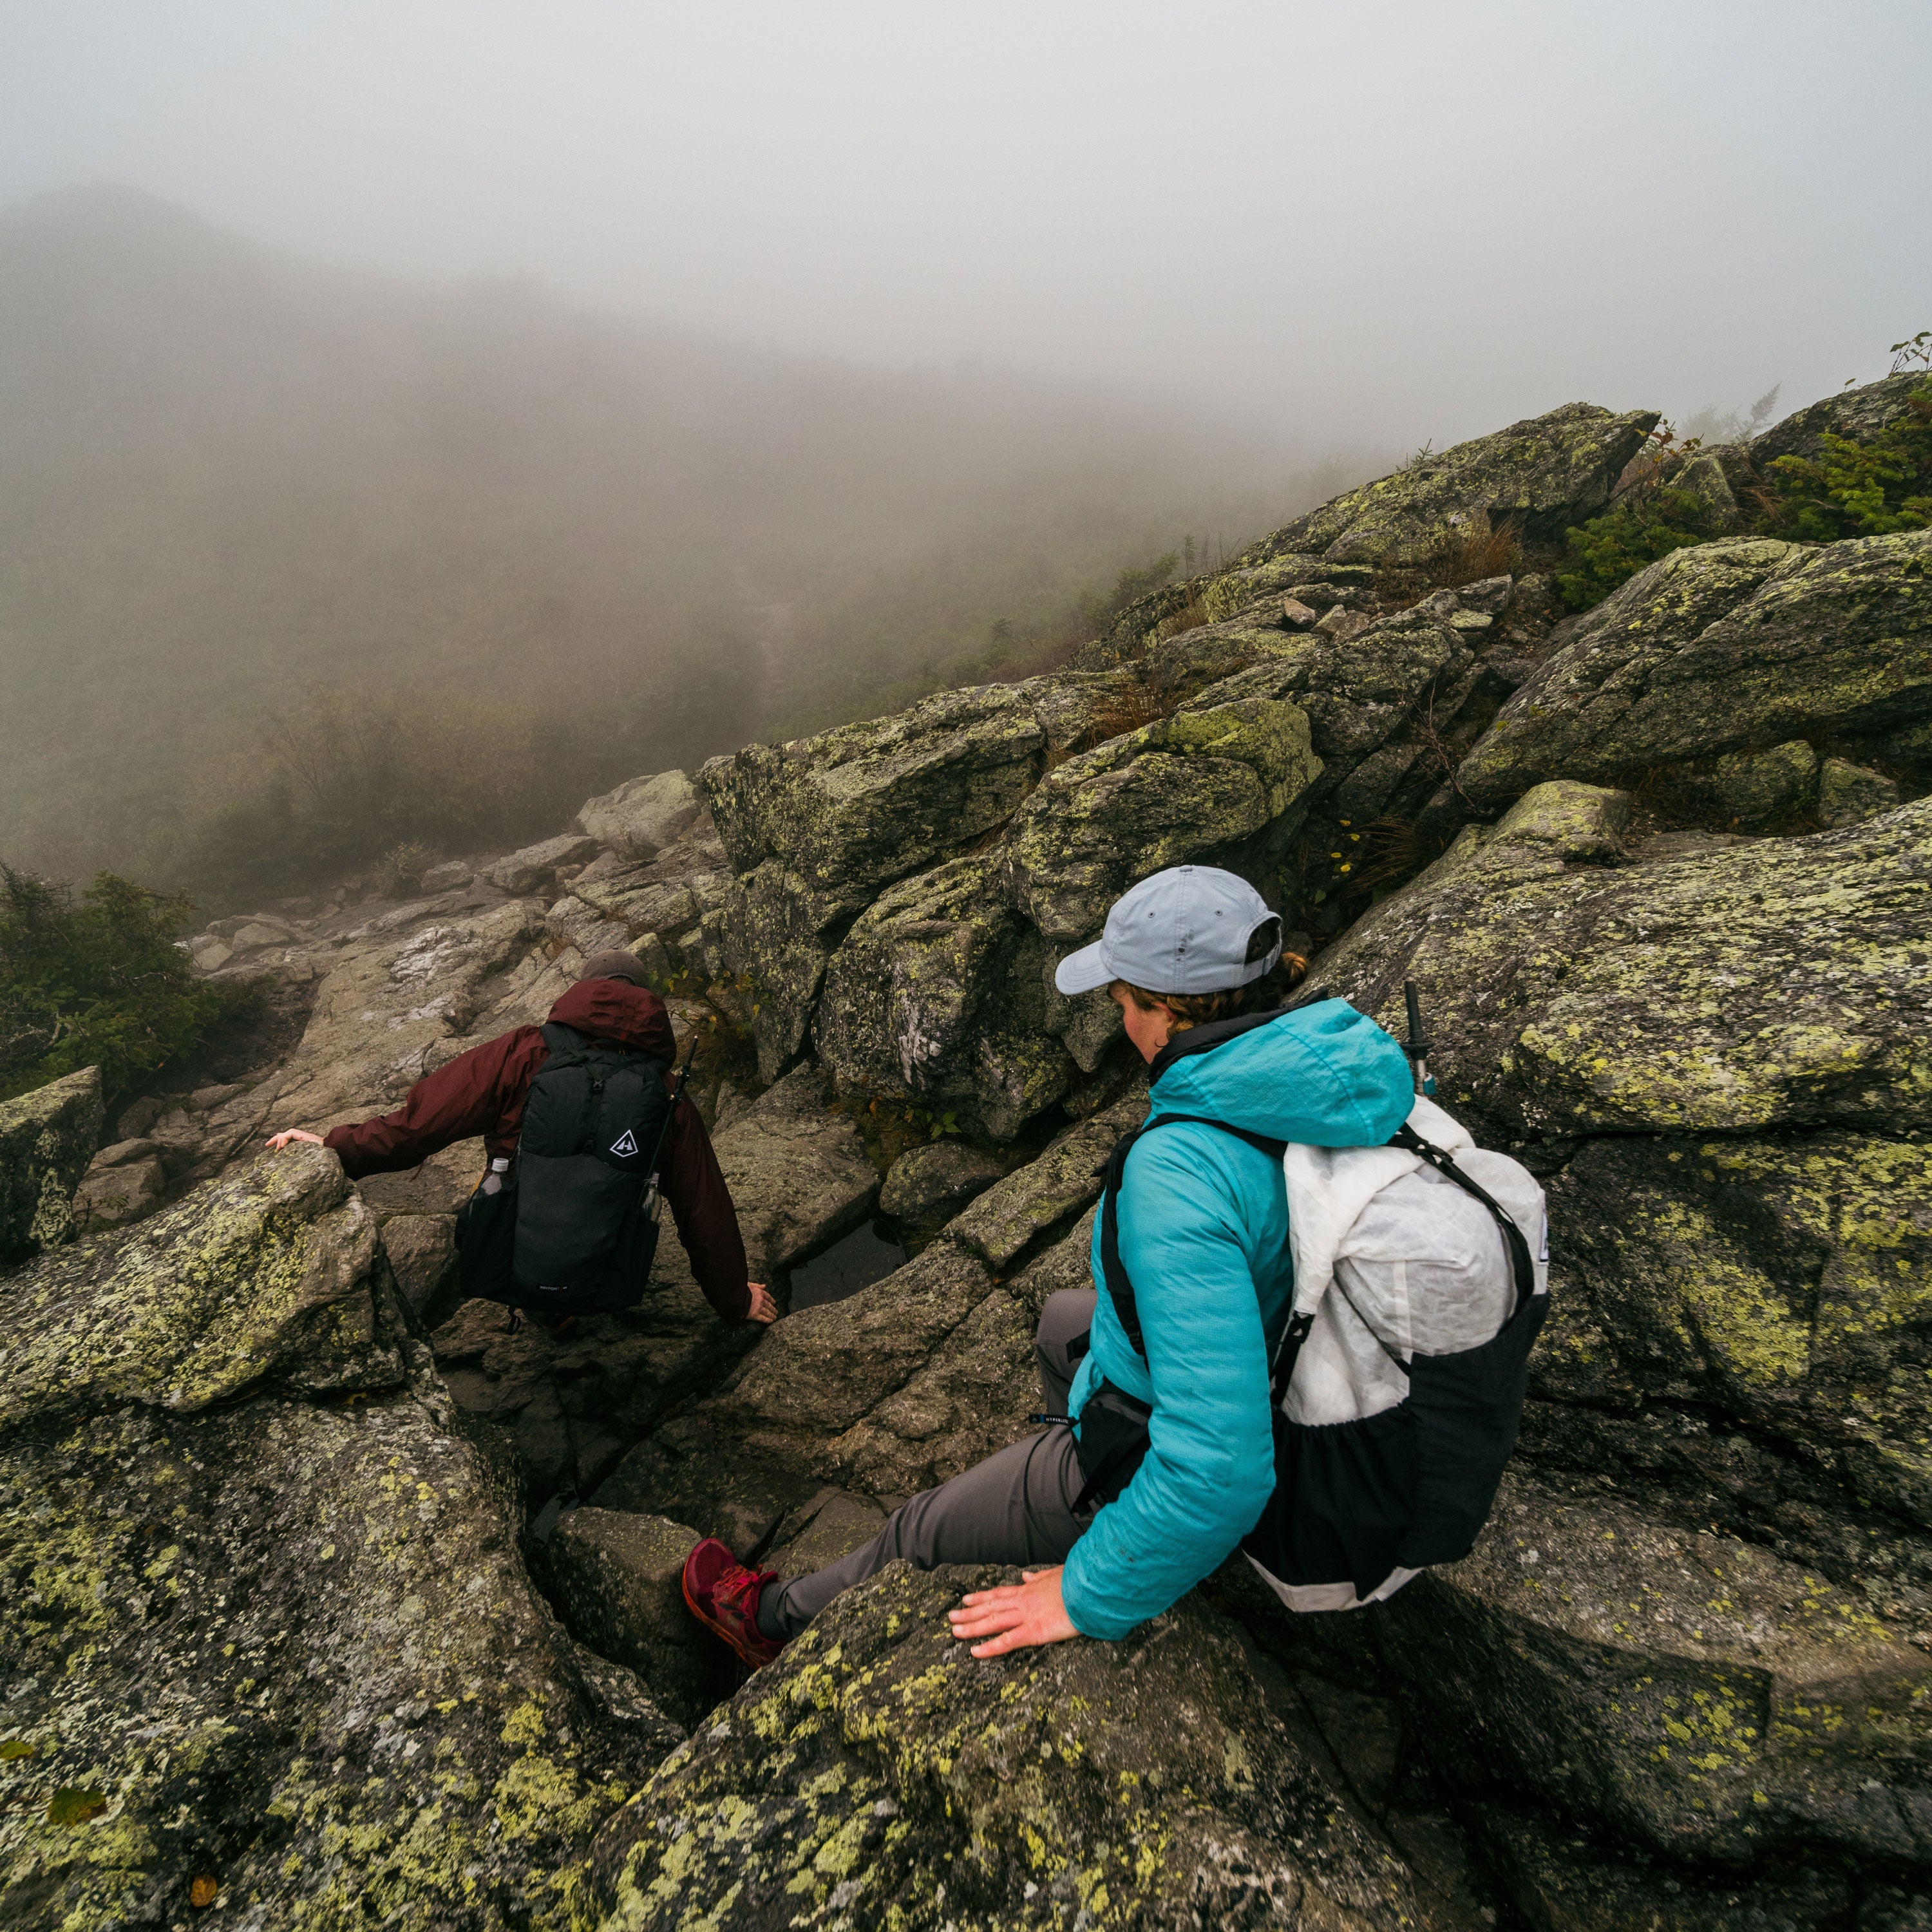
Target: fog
x,y
1418,219
681,373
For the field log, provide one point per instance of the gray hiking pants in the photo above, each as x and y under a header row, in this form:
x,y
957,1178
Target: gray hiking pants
x,y
1014,1507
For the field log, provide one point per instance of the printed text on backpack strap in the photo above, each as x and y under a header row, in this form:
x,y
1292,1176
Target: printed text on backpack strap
x,y
1521,1266
1120,1288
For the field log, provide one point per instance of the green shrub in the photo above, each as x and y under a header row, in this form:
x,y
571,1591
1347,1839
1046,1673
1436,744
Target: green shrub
x,y
96,981
1860,489
1611,549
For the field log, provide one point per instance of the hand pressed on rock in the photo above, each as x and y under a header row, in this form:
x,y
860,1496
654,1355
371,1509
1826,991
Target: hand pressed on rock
x,y
764,1308
278,1141
1015,1616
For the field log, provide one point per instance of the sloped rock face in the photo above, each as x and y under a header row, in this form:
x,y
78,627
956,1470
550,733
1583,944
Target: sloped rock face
x,y
267,1632
1780,982
1697,1694
878,1774
47,1139
1719,646
1700,1619
1858,414
1549,471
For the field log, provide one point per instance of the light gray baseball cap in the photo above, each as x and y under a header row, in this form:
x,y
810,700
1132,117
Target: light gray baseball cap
x,y
1185,930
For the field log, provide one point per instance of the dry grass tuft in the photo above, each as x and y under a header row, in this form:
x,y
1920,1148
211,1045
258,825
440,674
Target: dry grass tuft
x,y
1482,549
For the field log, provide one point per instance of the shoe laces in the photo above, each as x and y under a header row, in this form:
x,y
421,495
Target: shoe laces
x,y
739,1588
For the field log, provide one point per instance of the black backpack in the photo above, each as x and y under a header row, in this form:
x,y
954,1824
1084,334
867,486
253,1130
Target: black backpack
x,y
572,1228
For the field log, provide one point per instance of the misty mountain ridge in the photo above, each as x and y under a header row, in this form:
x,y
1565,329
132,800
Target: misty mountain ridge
x,y
230,476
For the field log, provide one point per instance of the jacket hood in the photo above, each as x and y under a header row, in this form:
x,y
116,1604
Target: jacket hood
x,y
634,1016
1323,1074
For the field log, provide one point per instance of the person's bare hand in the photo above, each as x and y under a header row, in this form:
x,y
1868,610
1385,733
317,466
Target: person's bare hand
x,y
278,1141
764,1308
1015,1616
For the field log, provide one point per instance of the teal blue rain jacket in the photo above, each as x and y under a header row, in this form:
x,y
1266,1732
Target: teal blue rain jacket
x,y
1204,1236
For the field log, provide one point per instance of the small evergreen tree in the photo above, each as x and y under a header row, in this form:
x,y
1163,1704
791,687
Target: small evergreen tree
x,y
95,981
1861,489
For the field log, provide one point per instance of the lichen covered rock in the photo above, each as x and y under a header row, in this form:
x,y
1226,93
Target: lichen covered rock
x,y
1697,1695
1547,472
1720,646
878,1774
271,1652
939,990
271,1275
47,1137
1781,982
1201,781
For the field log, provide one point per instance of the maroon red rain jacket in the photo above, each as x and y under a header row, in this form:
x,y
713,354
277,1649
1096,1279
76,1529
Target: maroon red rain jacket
x,y
483,1091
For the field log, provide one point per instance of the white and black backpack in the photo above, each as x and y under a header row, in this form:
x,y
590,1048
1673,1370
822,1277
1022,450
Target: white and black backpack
x,y
1421,1282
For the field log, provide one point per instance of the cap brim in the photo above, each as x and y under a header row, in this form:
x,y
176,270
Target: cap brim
x,y
1083,972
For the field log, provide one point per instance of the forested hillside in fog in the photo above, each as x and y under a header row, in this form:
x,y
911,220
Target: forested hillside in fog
x,y
275,538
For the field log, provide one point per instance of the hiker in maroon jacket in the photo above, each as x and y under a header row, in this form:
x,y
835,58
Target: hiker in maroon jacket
x,y
483,1092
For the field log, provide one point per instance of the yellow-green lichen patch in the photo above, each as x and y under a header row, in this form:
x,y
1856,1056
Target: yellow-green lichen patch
x,y
936,1790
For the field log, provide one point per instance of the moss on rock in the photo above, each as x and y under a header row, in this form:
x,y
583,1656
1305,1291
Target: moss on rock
x,y
270,1275
47,1137
1695,1695
1781,982
1719,647
879,1775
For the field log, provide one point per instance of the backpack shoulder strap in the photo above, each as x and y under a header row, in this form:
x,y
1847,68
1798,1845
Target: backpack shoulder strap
x,y
1120,1287
1521,1266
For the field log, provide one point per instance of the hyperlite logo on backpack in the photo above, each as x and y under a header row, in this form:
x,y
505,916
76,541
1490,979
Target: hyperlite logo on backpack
x,y
575,1231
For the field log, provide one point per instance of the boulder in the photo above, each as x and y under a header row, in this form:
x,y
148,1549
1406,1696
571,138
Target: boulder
x,y
113,1193
1848,794
1718,647
1777,1290
878,1773
1545,473
271,1275
1858,414
422,1250
534,867
1708,477
799,1173
939,991
830,1525
618,1580
931,1183
451,875
1566,995
643,815
1562,1882
1196,783
1697,1695
1751,788
849,811
47,1137
276,1648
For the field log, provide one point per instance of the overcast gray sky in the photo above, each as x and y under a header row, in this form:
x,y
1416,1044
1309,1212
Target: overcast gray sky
x,y
1364,222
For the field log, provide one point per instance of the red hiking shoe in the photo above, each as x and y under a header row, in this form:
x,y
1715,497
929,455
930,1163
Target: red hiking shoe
x,y
723,1595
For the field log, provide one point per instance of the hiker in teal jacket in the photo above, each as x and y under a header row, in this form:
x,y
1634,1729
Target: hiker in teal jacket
x,y
1204,1238
1203,1220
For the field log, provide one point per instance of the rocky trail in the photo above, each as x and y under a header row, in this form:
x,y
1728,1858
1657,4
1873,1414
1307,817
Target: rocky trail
x,y
333,1601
